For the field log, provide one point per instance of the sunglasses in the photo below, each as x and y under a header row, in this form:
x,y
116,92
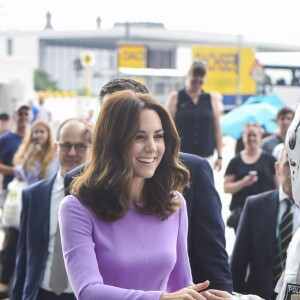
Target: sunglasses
x,y
20,113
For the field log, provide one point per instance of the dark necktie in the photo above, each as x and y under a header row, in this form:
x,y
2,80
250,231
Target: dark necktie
x,y
58,275
283,239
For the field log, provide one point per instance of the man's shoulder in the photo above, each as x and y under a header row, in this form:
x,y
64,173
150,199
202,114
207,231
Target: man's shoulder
x,y
261,198
191,158
9,143
10,140
198,167
40,185
75,171
8,136
70,175
3,136
271,139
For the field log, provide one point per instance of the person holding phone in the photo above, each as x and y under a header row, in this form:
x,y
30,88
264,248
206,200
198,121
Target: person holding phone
x,y
35,159
249,173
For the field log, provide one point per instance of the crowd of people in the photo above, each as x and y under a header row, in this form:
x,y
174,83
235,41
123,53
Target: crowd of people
x,y
127,208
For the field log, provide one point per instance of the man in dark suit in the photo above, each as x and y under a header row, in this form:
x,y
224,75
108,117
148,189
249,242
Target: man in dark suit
x,y
253,257
36,249
206,238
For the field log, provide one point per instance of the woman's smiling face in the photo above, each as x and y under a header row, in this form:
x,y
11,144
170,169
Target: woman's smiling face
x,y
147,149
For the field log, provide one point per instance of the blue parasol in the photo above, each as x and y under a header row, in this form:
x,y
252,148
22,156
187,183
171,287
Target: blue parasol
x,y
259,109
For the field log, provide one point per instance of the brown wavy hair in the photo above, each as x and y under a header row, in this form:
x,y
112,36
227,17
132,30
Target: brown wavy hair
x,y
105,183
45,156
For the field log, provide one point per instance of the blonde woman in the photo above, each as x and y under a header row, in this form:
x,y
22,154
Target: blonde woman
x,y
197,117
35,159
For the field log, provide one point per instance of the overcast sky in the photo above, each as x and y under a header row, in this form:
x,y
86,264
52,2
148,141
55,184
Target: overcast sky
x,y
269,20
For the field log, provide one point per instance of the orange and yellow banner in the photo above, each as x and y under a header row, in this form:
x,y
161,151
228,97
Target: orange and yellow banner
x,y
223,68
132,57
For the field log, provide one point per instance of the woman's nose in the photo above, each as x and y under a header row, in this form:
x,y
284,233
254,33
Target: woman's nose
x,y
151,145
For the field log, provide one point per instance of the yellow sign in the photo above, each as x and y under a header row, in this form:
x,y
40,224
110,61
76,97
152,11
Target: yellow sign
x,y
87,58
56,94
132,57
223,69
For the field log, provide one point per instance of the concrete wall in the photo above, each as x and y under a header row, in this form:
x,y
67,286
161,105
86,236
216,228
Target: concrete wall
x,y
28,48
25,46
16,81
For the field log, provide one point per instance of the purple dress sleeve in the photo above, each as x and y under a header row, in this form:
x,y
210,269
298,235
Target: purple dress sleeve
x,y
137,257
181,275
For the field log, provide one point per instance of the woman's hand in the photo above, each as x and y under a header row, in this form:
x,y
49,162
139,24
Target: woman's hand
x,y
37,148
250,179
188,293
218,164
33,148
216,295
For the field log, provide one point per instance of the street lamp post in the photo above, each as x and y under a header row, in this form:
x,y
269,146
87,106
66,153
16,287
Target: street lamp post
x,y
88,60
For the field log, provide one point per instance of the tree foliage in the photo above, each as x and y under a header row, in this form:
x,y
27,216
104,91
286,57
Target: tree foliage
x,y
43,82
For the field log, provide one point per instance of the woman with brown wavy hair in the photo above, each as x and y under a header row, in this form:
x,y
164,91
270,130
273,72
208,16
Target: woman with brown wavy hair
x,y
124,226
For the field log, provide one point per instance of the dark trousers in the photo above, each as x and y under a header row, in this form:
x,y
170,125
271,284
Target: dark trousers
x,y
9,255
46,295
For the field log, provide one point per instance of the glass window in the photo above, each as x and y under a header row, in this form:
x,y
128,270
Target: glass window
x,y
160,58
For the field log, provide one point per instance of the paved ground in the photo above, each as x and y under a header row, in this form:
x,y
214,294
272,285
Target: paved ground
x,y
228,153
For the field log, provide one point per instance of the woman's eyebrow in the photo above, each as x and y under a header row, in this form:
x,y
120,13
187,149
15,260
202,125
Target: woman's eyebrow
x,y
156,131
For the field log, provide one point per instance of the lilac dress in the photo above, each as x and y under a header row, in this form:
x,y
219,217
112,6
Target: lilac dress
x,y
134,258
